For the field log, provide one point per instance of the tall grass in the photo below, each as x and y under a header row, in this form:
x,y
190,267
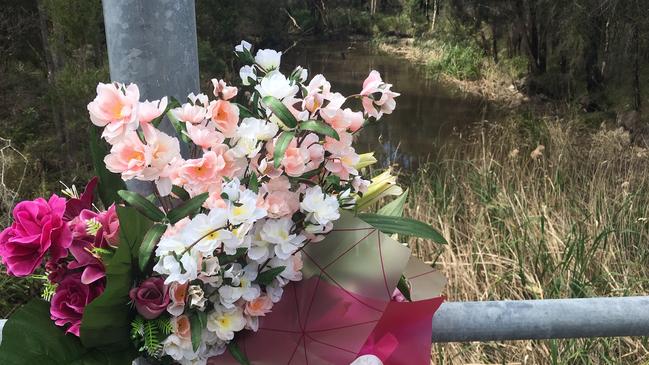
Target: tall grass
x,y
524,222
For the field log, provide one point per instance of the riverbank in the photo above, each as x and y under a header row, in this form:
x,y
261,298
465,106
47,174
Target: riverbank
x,y
473,74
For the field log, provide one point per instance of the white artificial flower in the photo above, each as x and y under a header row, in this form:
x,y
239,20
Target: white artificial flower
x,y
258,129
242,286
179,271
322,208
300,74
292,268
367,360
225,322
247,73
277,85
275,291
196,297
268,59
209,273
260,250
245,209
360,185
207,230
239,239
246,147
243,46
201,99
278,231
170,244
178,348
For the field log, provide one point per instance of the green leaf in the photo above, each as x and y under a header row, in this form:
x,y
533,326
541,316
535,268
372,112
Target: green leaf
x,y
395,207
267,277
198,321
187,208
400,225
238,355
142,204
107,319
253,184
244,112
283,141
319,127
179,126
404,288
226,259
280,110
109,183
181,193
30,337
150,240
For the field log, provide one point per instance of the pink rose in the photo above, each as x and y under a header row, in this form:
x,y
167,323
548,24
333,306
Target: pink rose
x,y
70,300
151,297
38,229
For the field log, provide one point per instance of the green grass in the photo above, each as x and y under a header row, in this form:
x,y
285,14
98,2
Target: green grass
x,y
571,222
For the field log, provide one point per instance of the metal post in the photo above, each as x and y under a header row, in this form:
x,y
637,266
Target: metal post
x,y
541,319
153,43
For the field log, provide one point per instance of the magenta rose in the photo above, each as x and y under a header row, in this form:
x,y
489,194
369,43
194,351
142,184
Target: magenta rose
x,y
70,300
151,298
38,229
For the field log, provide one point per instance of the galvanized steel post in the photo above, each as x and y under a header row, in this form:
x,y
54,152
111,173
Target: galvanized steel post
x,y
153,43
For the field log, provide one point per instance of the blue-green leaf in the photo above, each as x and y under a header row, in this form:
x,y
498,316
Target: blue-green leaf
x,y
142,204
319,127
280,110
283,141
149,242
187,209
400,225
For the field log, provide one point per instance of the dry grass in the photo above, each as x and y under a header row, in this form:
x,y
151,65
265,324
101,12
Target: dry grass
x,y
523,222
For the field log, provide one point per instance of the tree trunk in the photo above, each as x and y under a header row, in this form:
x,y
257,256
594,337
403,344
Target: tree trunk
x,y
494,41
51,71
435,11
637,98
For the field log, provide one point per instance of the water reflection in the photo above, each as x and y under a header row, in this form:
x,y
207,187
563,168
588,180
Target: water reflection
x,y
427,112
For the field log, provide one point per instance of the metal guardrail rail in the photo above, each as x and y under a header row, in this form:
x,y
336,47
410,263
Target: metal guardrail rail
x,y
541,319
538,319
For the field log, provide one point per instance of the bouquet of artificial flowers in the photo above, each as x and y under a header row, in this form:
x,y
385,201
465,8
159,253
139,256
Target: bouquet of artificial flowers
x,y
255,195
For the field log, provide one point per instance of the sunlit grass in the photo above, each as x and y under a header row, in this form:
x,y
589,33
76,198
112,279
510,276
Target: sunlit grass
x,y
570,222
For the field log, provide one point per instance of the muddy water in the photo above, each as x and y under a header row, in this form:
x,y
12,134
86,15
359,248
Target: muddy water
x,y
428,112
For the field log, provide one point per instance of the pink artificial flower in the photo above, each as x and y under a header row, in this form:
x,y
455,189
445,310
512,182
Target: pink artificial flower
x,y
342,120
397,296
148,111
204,136
226,117
343,157
129,157
38,229
115,108
378,99
74,206
194,114
151,297
108,234
164,150
93,268
223,91
70,300
300,159
182,327
178,296
198,175
259,306
280,201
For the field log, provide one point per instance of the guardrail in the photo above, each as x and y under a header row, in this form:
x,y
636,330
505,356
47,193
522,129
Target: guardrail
x,y
537,319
